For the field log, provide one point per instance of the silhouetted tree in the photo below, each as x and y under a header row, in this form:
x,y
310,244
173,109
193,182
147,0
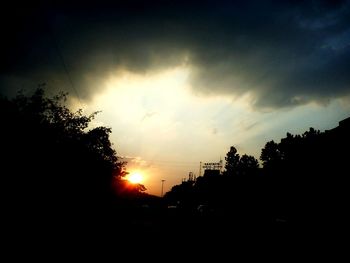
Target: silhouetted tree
x,y
247,164
303,181
232,161
270,154
239,165
304,173
182,195
53,164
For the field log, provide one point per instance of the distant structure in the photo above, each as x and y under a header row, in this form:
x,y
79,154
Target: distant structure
x,y
212,166
344,126
191,178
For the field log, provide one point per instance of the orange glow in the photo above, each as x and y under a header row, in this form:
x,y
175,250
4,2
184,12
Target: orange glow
x,y
135,178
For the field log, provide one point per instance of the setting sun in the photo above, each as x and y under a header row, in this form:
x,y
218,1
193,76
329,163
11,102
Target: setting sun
x,y
135,178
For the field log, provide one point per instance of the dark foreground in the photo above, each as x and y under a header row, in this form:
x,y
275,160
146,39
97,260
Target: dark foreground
x,y
144,232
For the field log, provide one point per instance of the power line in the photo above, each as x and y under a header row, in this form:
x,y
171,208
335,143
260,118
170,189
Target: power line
x,y
61,57
173,165
160,161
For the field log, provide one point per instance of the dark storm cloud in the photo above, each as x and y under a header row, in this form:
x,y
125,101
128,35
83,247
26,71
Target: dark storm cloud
x,y
281,53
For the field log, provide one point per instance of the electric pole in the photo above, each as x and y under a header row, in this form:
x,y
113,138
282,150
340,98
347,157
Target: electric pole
x,y
161,195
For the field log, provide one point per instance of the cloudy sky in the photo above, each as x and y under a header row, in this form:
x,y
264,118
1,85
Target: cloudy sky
x,y
180,82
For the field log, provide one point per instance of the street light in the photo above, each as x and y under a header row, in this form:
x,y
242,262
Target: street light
x,y
161,195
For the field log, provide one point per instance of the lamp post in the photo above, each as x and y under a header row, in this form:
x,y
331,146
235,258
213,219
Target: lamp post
x,y
161,195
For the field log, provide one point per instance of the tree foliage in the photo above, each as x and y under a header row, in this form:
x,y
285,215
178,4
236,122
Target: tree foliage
x,y
239,165
51,157
232,161
303,181
270,154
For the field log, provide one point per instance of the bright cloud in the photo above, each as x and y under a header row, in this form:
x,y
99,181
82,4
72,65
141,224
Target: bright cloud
x,y
169,129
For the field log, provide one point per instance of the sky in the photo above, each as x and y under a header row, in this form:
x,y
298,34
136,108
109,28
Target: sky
x,y
179,82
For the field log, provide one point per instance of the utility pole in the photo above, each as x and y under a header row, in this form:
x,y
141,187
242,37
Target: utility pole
x,y
161,195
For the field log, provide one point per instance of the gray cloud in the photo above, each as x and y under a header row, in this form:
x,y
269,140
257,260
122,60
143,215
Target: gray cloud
x,y
282,53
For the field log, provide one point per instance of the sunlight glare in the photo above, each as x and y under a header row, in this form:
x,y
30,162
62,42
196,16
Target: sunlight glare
x,y
135,178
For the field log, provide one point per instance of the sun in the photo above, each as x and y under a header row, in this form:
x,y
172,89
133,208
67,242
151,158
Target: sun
x,y
135,178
